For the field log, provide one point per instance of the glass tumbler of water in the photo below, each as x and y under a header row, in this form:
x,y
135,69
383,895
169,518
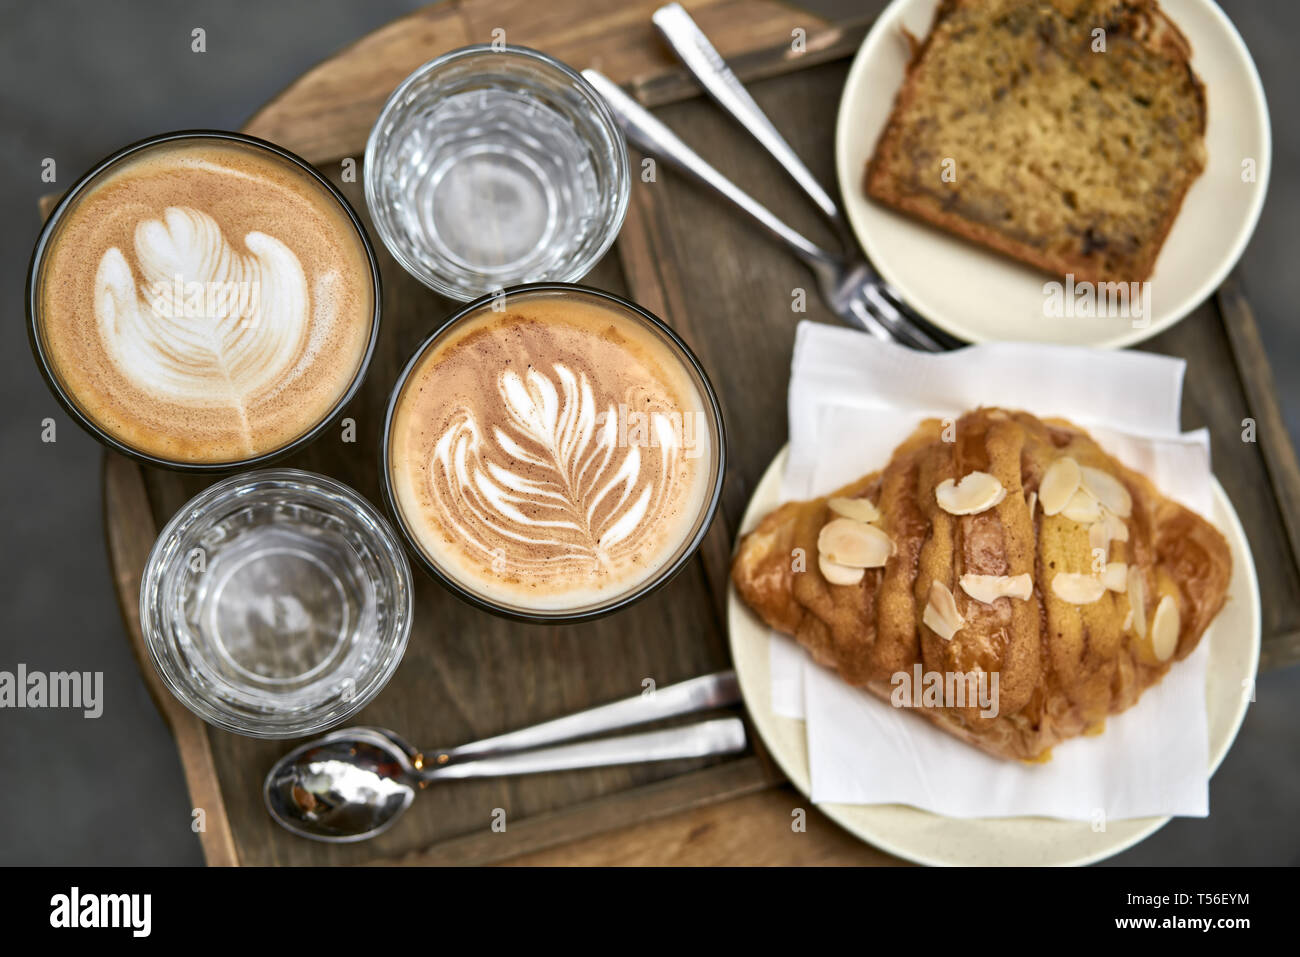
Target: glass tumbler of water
x,y
276,603
490,167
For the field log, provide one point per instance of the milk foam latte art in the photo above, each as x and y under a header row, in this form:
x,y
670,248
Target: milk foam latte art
x,y
554,454
204,300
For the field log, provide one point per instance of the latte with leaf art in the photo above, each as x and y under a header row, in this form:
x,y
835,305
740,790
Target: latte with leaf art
x,y
205,300
553,454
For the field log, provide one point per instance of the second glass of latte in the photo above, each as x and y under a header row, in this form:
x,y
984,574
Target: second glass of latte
x,y
553,453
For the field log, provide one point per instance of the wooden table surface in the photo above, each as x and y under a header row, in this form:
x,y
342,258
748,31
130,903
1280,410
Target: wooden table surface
x,y
728,292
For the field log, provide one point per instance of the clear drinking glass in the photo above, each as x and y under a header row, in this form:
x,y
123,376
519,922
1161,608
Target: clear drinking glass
x,y
276,603
491,167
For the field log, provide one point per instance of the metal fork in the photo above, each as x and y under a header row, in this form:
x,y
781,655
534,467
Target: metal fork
x,y
848,284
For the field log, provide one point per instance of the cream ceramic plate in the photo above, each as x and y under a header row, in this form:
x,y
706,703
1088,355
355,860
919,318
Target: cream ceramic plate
x,y
932,839
979,295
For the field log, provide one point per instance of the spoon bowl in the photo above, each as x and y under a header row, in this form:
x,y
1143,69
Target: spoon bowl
x,y
347,786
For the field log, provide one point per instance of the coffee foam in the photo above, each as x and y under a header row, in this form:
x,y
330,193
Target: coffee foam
x,y
205,301
552,456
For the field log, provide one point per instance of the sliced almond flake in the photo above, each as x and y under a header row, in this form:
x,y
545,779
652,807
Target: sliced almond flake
x,y
838,574
1116,527
1165,627
941,615
975,493
1058,484
1108,490
1137,600
1032,501
1082,508
858,509
1128,620
989,588
1078,589
1099,538
848,542
1116,576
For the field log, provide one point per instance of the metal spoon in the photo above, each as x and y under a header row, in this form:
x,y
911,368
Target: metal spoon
x,y
354,783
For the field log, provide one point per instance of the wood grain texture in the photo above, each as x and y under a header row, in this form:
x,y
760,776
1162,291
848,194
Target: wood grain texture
x,y
1279,460
614,812
327,114
757,830
130,535
731,294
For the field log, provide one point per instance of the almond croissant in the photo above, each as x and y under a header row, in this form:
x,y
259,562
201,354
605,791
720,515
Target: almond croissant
x,y
1017,549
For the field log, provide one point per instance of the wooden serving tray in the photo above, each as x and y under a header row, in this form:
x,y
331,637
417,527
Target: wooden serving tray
x,y
467,674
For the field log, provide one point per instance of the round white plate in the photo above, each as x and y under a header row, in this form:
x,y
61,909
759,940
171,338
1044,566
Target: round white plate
x,y
932,839
980,295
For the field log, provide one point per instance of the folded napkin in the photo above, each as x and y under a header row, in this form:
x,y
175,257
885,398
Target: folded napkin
x,y
853,399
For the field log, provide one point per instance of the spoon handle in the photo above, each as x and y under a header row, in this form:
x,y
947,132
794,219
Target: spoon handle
x,y
698,694
702,59
644,131
719,736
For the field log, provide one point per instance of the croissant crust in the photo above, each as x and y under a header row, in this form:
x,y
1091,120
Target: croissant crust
x,y
1062,663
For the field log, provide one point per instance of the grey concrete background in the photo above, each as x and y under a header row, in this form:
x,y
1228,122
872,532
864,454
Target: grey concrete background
x,y
78,80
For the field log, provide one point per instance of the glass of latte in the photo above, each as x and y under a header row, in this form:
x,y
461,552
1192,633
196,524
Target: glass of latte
x,y
203,300
553,453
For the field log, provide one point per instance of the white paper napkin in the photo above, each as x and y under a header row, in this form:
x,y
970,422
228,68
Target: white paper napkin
x,y
852,400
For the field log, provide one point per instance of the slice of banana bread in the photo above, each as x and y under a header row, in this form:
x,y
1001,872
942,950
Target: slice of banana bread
x,y
1063,133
